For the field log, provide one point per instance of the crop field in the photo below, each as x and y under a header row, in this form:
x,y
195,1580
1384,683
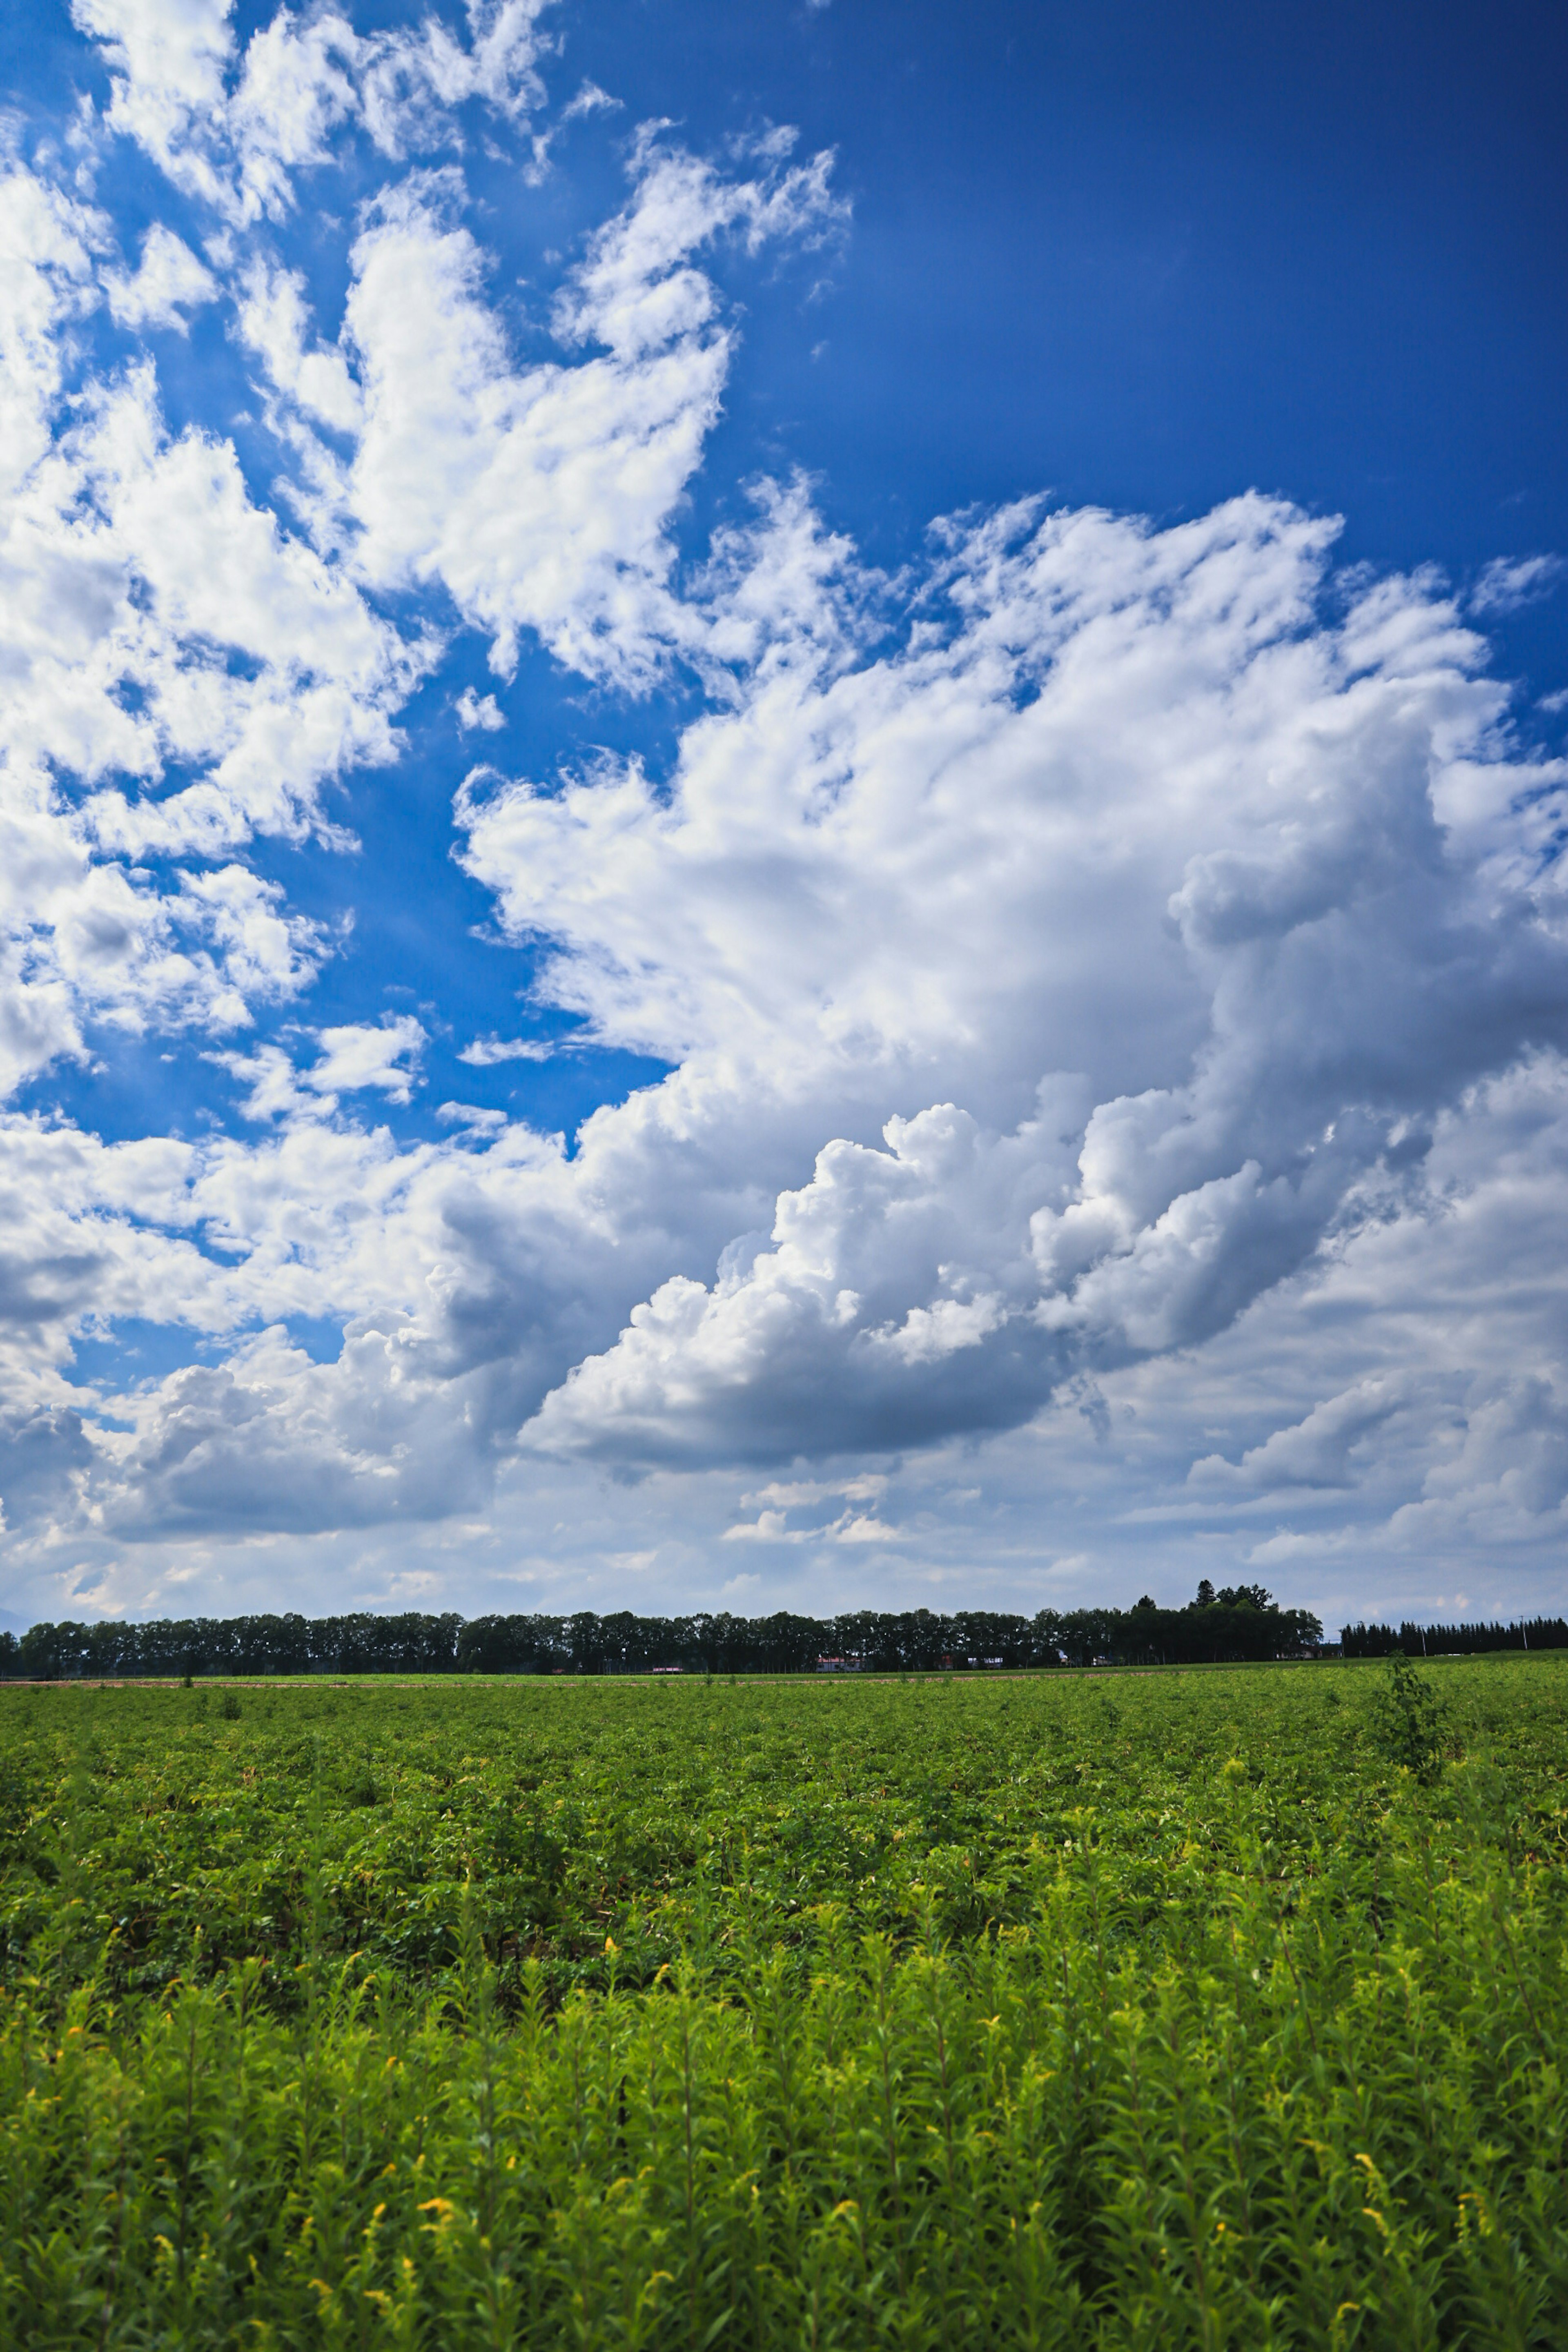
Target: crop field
x,y
1219,2008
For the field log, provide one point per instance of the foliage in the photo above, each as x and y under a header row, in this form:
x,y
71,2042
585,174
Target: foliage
x,y
1407,1718
1453,1641
1141,2010
1243,1623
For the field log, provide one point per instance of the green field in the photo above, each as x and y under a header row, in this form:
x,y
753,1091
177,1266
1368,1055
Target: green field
x,y
1215,2008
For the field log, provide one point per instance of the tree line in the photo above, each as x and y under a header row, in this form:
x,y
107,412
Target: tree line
x,y
1453,1641
1235,1624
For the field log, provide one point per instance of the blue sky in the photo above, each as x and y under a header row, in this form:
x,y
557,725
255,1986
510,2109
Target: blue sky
x,y
782,794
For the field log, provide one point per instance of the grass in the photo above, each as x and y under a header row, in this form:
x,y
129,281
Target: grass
x,y
1219,2008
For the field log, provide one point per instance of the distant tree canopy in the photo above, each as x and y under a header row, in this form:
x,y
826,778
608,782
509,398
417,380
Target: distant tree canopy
x,y
1453,1641
1237,1623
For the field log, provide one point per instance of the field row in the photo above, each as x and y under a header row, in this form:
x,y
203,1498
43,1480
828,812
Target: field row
x,y
1178,2013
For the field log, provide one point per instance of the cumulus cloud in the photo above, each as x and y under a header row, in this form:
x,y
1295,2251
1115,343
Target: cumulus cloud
x,y
169,282
541,497
273,317
811,1345
236,129
47,246
354,1058
484,1052
1316,1451
1140,851
168,60
182,672
1512,1463
1110,980
479,711
1253,893
159,621
1509,582
1202,847
855,1521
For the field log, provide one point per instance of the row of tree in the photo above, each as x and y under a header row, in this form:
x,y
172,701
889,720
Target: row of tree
x,y
1453,1641
1241,1622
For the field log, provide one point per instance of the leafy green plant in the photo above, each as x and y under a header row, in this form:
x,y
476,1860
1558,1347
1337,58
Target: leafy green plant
x,y
654,2016
1407,1718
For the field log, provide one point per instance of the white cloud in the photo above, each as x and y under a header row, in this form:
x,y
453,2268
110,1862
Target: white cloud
x,y
542,497
1112,989
1329,871
170,281
157,619
267,953
236,131
412,81
484,1052
1178,930
590,100
867,1486
1510,582
768,1526
45,277
1316,1451
168,60
273,319
479,711
298,86
471,1116
1511,1464
354,1058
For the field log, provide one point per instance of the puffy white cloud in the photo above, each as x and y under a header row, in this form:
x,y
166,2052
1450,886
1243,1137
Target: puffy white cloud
x,y
411,81
1135,826
170,281
157,619
236,131
168,60
354,1056
296,86
269,1437
162,619
46,244
819,1343
274,320
456,1311
637,289
266,953
473,1117
479,711
484,1052
1315,1452
1111,978
1509,582
1118,896
542,497
855,1521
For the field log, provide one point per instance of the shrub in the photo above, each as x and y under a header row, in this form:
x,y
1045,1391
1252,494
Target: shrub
x,y
1409,1719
